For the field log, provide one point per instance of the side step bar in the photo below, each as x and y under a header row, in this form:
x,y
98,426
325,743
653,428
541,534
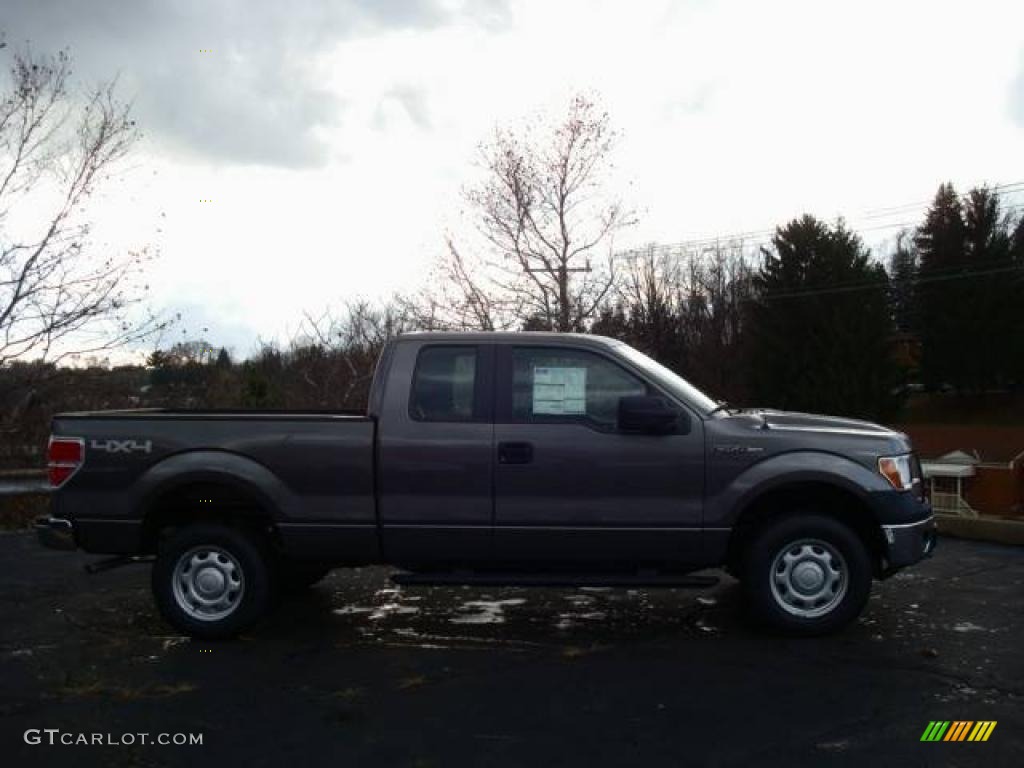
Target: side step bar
x,y
110,563
496,579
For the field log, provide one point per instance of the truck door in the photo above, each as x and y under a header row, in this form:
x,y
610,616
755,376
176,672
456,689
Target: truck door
x,y
434,446
570,488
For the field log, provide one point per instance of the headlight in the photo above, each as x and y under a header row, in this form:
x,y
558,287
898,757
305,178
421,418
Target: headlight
x,y
896,469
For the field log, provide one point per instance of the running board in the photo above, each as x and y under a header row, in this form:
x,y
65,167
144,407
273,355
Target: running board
x,y
99,566
495,579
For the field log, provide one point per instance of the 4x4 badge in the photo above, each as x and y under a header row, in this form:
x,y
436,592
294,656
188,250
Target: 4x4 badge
x,y
121,446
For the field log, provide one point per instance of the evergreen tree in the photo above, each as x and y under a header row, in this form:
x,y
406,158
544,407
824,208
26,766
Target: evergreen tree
x,y
1015,288
940,246
987,302
903,269
970,324
819,328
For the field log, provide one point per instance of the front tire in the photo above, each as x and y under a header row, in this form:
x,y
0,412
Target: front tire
x,y
806,574
211,581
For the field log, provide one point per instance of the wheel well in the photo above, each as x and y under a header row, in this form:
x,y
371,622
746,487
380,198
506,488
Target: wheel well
x,y
823,498
207,501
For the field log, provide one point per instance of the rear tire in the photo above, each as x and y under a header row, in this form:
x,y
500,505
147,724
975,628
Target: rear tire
x,y
806,574
211,581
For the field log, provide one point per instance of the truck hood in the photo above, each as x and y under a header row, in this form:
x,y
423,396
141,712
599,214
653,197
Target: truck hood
x,y
813,422
762,432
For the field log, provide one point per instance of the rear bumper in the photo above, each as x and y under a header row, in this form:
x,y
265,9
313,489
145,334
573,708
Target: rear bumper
x,y
908,543
56,533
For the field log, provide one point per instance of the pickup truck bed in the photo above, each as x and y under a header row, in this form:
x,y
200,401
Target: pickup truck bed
x,y
315,469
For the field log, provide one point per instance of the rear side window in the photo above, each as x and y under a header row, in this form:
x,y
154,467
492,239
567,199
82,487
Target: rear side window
x,y
444,384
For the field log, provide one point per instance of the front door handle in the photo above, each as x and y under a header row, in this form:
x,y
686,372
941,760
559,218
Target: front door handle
x,y
515,453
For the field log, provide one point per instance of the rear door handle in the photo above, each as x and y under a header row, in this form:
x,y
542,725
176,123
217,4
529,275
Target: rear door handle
x,y
515,453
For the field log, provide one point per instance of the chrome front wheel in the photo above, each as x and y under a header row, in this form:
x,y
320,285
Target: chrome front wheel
x,y
809,578
806,573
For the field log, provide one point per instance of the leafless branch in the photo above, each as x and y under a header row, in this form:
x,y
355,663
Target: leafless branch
x,y
58,296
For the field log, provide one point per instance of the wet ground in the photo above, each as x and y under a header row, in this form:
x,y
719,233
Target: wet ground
x,y
358,672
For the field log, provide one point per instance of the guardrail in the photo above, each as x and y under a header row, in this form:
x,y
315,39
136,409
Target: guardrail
x,y
23,482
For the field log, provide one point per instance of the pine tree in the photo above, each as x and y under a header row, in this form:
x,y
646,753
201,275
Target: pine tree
x,y
940,243
903,270
988,310
819,328
1015,288
970,323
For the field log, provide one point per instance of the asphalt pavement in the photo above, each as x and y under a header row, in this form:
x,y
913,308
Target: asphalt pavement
x,y
359,672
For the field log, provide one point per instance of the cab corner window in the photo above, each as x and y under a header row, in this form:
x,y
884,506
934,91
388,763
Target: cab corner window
x,y
444,384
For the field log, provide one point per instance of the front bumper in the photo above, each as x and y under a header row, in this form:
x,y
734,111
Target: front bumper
x,y
908,543
56,533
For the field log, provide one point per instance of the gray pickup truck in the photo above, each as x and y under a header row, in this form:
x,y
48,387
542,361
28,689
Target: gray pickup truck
x,y
497,458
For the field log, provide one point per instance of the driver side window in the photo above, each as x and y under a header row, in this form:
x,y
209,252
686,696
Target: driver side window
x,y
557,385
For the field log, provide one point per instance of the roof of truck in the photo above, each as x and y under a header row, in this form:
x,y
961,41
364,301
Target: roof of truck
x,y
511,337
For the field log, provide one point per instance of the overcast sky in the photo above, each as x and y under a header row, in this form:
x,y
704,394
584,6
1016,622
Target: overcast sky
x,y
333,137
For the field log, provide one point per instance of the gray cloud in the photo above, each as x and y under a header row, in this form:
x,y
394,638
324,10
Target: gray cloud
x,y
411,99
251,99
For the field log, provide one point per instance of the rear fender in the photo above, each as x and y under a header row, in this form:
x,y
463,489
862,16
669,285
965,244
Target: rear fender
x,y
216,467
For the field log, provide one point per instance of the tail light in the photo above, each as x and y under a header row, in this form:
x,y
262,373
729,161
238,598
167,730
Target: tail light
x,y
64,456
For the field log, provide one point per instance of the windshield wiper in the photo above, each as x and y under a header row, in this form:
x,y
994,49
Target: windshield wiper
x,y
723,405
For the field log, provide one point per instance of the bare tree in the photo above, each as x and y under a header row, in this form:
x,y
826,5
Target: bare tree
x,y
460,295
336,355
57,297
547,222
686,310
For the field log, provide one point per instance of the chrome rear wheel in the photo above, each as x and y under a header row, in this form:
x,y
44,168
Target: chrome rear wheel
x,y
212,580
208,583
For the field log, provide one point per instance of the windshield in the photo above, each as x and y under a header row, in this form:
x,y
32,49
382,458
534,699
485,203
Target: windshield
x,y
667,378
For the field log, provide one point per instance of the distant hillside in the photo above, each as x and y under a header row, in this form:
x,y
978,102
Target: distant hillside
x,y
995,408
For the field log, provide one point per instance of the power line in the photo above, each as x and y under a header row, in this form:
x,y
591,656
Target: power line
x,y
753,238
891,210
954,271
878,284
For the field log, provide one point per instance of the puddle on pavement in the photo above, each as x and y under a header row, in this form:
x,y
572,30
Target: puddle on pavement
x,y
520,618
966,626
485,611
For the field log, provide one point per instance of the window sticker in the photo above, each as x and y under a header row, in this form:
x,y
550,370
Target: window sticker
x,y
559,391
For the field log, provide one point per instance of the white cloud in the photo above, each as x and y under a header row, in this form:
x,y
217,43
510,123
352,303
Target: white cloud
x,y
735,116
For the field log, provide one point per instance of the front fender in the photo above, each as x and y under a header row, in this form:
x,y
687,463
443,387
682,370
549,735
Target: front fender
x,y
794,468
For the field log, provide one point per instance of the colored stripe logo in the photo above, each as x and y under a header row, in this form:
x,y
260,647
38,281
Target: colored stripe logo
x,y
958,730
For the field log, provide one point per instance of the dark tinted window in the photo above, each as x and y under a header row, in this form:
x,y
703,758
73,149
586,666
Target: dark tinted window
x,y
550,384
444,384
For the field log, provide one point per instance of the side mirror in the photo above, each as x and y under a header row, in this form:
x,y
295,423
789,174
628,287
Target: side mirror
x,y
651,415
